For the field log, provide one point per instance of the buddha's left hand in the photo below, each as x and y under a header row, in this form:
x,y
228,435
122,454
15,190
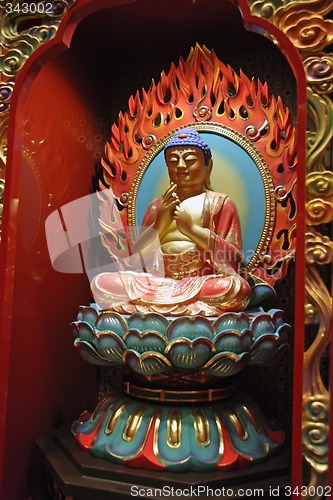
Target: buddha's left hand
x,y
183,220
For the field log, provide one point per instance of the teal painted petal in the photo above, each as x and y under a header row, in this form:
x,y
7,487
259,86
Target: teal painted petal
x,y
262,325
83,331
129,424
191,327
147,322
189,354
206,450
87,422
89,353
88,314
264,349
145,341
148,363
252,442
283,332
233,341
277,317
232,321
173,443
112,322
226,364
110,346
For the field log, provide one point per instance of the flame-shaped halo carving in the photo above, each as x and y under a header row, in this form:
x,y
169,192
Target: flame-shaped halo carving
x,y
204,93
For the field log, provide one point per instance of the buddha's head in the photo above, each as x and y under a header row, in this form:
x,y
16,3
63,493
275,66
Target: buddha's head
x,y
189,159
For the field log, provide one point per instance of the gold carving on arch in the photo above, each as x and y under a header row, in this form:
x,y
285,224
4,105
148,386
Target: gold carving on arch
x,y
16,46
309,26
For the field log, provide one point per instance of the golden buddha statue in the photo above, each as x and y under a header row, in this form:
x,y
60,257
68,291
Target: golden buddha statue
x,y
199,244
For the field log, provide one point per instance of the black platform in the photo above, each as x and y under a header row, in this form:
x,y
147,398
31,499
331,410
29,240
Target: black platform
x,y
84,477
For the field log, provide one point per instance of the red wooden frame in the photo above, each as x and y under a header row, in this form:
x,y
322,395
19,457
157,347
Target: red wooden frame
x,y
9,250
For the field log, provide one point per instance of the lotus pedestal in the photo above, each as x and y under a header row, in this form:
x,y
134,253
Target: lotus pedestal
x,y
178,410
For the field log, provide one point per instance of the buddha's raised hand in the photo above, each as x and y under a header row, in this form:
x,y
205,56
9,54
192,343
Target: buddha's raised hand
x,y
183,220
165,211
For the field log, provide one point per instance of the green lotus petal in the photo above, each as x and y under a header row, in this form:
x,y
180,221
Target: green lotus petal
x,y
191,327
89,353
226,364
283,332
110,346
148,322
233,341
188,354
262,325
84,331
232,321
88,314
148,363
264,349
277,317
112,322
280,350
145,341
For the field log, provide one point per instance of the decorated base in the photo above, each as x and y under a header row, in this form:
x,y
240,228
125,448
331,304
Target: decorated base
x,y
178,410
78,474
231,433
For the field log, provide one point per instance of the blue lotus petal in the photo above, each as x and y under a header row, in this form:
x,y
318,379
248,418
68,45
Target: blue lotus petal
x,y
189,354
148,363
277,317
190,342
112,322
283,332
88,314
232,321
226,364
147,322
281,349
145,341
117,444
83,331
110,346
88,353
264,349
262,325
191,327
232,341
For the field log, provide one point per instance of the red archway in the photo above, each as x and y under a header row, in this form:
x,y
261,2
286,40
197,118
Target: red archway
x,y
39,369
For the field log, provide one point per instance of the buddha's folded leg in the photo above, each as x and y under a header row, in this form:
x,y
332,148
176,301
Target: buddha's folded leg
x,y
108,288
230,292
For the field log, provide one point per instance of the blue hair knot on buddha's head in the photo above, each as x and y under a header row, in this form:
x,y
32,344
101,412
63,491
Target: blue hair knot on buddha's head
x,y
189,138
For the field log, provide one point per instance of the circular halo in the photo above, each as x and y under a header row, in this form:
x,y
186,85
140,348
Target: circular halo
x,y
254,154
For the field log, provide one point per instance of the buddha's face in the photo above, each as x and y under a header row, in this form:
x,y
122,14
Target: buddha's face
x,y
186,166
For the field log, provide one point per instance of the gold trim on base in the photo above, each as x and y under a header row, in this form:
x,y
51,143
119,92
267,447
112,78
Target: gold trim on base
x,y
162,395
